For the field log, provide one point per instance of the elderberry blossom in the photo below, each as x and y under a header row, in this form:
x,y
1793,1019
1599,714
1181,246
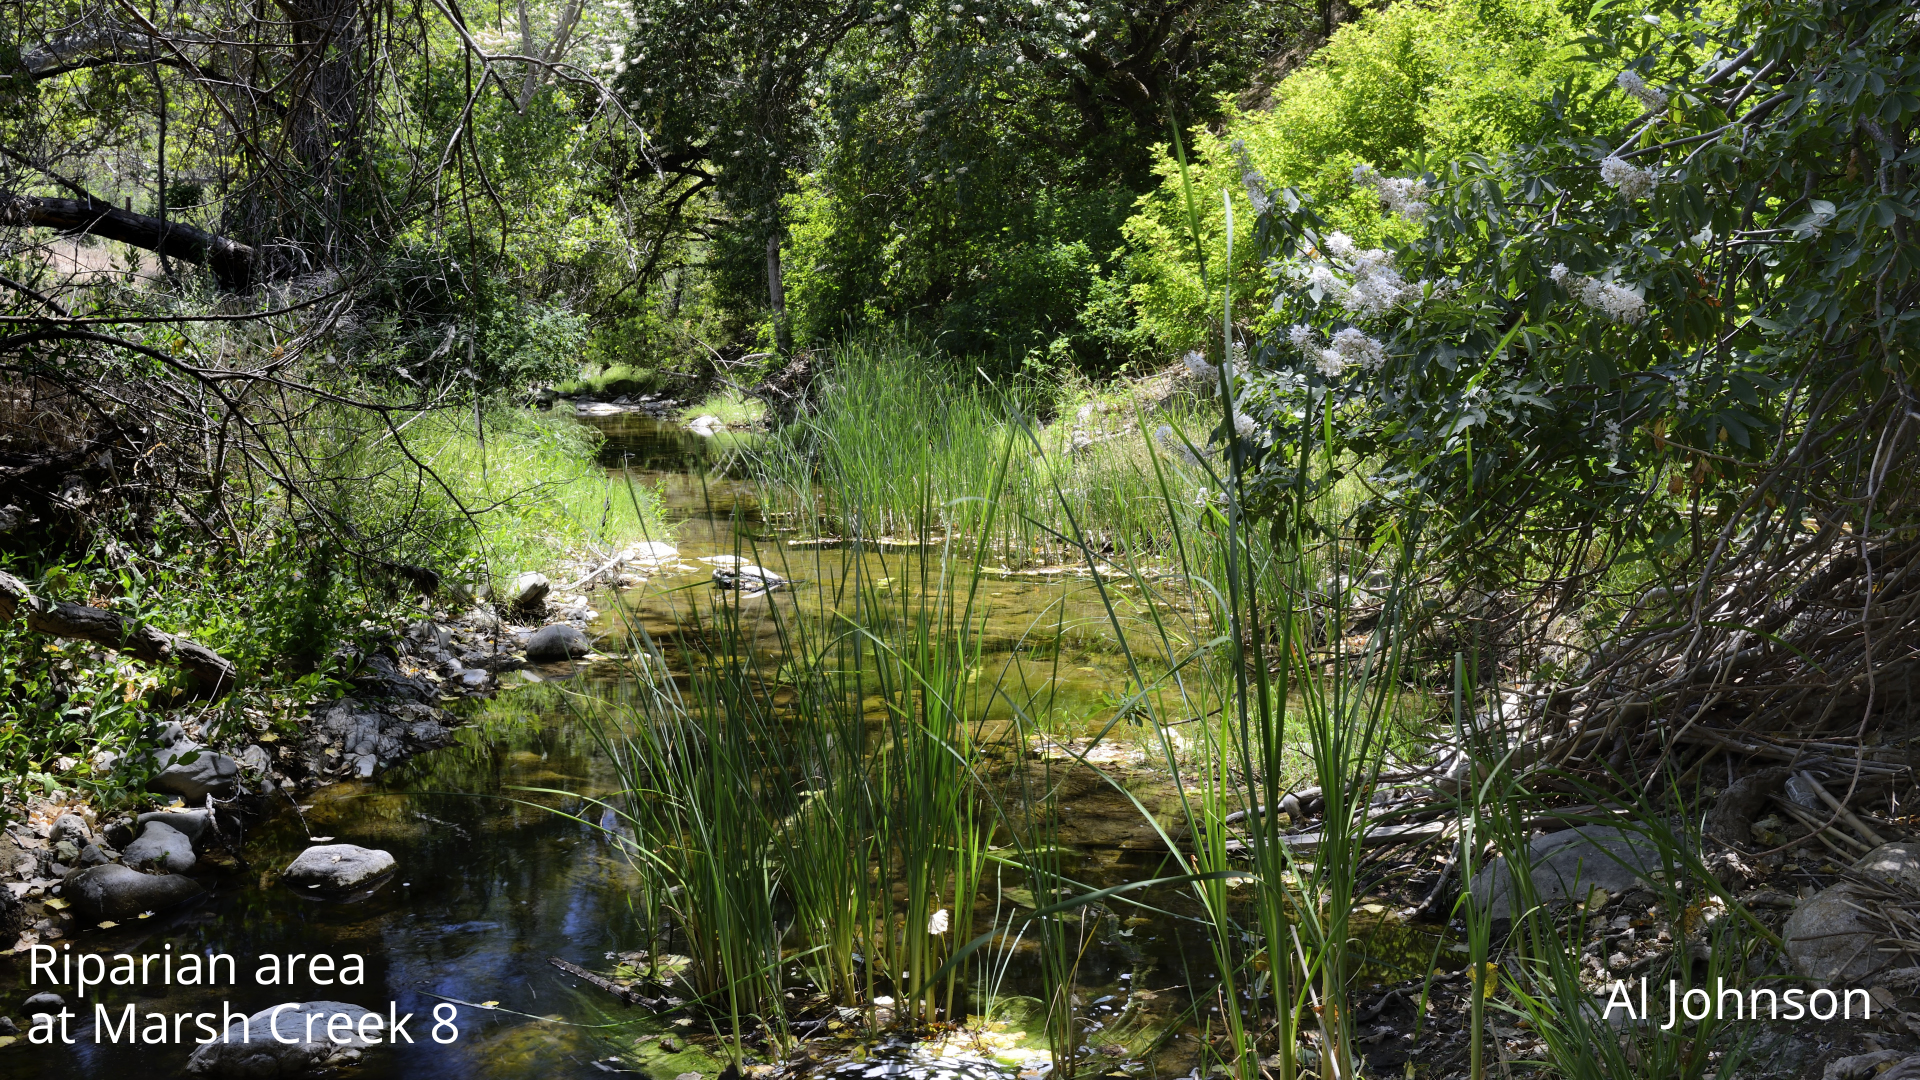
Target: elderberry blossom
x,y
1613,438
1330,363
1245,426
1630,81
1680,391
1632,181
1302,337
1374,286
1619,304
1406,196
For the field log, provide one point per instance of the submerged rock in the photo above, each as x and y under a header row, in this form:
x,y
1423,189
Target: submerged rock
x,y
748,578
160,847
1569,864
1834,936
117,892
280,1042
557,642
337,867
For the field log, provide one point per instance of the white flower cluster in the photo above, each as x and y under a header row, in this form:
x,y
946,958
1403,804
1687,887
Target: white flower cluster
x,y
1406,196
1613,438
1632,181
1359,348
1372,287
1681,388
1630,81
1203,369
1615,302
1244,426
604,33
1351,347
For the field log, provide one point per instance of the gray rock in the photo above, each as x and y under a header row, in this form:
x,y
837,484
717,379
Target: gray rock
x,y
191,823
66,851
529,590
8,1027
748,578
46,1002
120,833
207,773
1834,936
71,827
429,634
160,846
173,733
117,892
274,1043
650,551
95,855
337,868
255,761
490,661
1569,864
557,642
472,680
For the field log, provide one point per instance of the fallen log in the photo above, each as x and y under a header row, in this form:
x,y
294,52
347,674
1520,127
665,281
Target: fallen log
x,y
231,261
210,674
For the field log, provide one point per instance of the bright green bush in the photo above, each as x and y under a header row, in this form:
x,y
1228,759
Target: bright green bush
x,y
1405,89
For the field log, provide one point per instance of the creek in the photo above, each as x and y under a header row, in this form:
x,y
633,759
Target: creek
x,y
494,880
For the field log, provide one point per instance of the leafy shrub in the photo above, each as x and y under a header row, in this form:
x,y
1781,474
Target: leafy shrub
x,y
1405,89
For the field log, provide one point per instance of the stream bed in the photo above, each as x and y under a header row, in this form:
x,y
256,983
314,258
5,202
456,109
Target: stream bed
x,y
494,880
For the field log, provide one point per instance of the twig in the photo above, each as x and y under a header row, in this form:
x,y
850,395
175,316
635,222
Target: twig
x,y
1840,808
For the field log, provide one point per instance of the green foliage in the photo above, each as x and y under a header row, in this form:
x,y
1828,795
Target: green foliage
x,y
1583,341
1407,88
69,709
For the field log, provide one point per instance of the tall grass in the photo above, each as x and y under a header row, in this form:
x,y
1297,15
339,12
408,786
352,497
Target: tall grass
x,y
895,419
532,490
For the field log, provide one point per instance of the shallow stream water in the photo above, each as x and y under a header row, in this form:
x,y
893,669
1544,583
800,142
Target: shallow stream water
x,y
493,881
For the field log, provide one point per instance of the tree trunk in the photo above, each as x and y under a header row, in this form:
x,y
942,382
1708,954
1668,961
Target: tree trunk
x,y
777,297
232,262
